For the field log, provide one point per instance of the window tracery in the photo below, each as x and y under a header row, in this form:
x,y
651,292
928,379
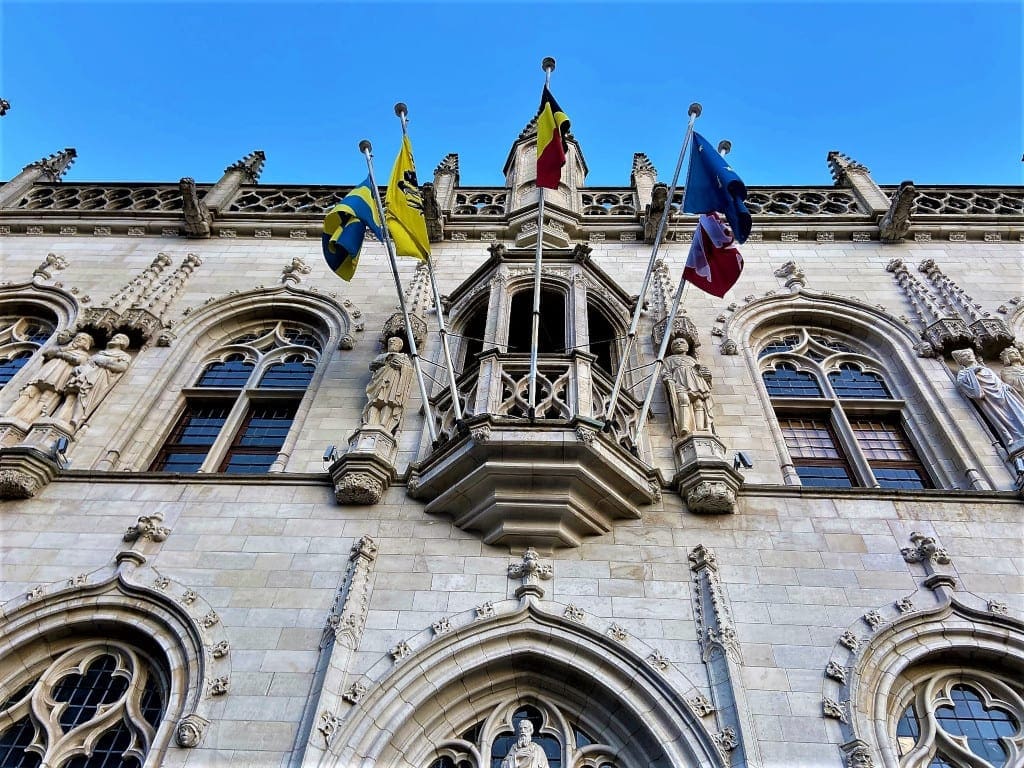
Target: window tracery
x,y
96,704
20,337
238,415
840,421
485,744
959,717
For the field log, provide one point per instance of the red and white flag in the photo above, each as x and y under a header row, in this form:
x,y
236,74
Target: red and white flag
x,y
714,264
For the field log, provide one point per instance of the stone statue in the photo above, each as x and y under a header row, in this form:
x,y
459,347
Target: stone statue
x,y
389,385
1000,404
659,199
45,392
688,388
90,382
1013,369
524,753
896,221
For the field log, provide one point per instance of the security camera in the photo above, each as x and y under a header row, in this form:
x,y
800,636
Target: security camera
x,y
330,454
1018,464
742,459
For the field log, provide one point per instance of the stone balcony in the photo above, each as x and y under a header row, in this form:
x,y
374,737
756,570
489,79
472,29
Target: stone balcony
x,y
545,482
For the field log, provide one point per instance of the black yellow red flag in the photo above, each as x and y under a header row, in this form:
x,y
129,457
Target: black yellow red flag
x,y
552,134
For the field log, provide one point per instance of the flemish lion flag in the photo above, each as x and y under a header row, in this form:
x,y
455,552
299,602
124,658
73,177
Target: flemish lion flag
x,y
404,214
552,133
345,227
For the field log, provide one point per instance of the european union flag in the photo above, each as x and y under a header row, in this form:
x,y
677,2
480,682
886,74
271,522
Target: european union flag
x,y
712,185
345,227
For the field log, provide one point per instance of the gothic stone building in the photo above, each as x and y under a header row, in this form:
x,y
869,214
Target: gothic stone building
x,y
230,537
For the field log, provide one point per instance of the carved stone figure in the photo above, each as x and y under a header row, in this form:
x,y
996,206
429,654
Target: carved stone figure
x,y
659,199
197,216
896,222
389,385
44,393
688,388
1000,404
1013,369
524,753
90,382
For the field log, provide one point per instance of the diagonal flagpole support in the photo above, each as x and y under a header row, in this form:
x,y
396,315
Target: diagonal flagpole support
x,y
402,111
669,324
367,149
548,65
693,112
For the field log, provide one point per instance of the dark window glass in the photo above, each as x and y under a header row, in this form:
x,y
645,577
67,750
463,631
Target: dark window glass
x,y
838,346
473,734
37,332
816,456
907,731
12,365
108,751
85,693
891,456
191,438
551,333
940,762
233,373
260,438
602,336
505,741
293,374
152,703
982,728
473,337
850,382
783,344
14,744
443,762
787,381
832,477
303,337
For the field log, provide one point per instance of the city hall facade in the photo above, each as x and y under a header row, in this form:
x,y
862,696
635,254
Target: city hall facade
x,y
231,536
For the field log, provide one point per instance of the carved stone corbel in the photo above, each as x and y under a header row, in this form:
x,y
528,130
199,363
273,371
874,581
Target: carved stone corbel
x,y
25,471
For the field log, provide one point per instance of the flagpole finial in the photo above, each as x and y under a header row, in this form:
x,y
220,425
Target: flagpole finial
x,y
401,110
365,146
695,109
724,147
548,65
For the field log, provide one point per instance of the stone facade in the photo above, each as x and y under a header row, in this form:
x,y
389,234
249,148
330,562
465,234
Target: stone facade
x,y
411,604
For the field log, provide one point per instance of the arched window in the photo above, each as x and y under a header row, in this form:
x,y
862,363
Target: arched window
x,y
20,337
239,413
958,717
841,424
551,329
95,704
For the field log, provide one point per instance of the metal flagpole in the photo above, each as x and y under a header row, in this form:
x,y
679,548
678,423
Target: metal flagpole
x,y
694,113
667,337
548,65
403,112
367,149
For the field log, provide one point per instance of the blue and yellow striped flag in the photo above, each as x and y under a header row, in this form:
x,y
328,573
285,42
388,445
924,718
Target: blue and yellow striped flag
x,y
404,213
345,227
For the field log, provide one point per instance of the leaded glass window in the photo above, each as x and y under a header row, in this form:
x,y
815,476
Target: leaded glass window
x,y
20,337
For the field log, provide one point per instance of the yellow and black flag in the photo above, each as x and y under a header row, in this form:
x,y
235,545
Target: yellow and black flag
x,y
552,133
404,213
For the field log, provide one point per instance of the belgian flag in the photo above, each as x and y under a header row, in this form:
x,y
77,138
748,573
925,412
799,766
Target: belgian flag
x,y
552,133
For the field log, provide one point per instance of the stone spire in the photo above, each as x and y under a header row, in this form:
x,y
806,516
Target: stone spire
x,y
446,179
847,172
130,294
521,172
643,178
46,170
244,171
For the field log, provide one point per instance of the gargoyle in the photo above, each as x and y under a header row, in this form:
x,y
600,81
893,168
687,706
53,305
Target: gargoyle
x,y
197,216
896,221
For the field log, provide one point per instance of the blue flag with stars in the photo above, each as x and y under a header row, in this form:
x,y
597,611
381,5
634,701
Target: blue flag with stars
x,y
712,185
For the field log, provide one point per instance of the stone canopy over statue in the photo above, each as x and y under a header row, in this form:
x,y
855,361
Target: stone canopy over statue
x,y
688,389
525,753
997,400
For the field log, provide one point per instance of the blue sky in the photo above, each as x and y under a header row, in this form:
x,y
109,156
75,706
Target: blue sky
x,y
152,91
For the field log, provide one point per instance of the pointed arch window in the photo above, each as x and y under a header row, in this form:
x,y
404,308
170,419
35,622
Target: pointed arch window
x,y
98,704
241,411
840,422
20,337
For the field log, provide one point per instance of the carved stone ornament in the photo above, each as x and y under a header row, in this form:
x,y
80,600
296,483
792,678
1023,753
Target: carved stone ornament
x,y
219,686
190,731
713,497
874,619
355,692
532,571
574,613
24,471
400,651
359,488
925,549
659,661
997,607
442,626
618,632
700,705
896,222
726,739
485,611
904,604
729,347
293,272
148,528
834,709
836,671
209,619
793,275
198,220
849,640
328,725
52,263
858,755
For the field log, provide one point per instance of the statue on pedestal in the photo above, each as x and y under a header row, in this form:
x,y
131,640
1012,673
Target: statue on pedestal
x,y
44,393
524,753
388,388
688,388
1013,370
1000,404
